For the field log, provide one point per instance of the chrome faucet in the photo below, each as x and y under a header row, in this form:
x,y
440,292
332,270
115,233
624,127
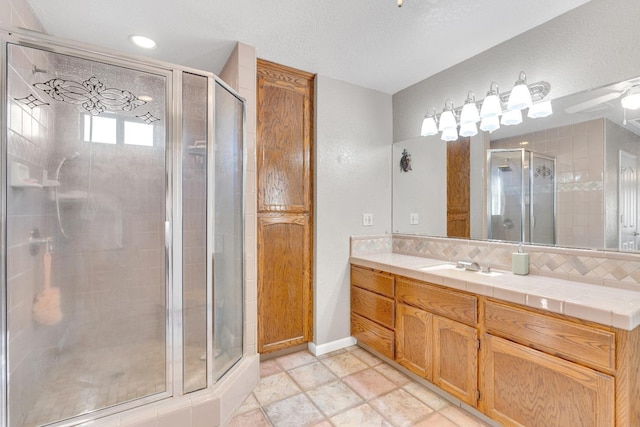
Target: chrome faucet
x,y
468,265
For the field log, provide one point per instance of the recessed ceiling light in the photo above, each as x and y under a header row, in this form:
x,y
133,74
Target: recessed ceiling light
x,y
143,42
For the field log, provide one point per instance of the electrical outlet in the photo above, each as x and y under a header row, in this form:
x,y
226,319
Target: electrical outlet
x,y
414,218
367,219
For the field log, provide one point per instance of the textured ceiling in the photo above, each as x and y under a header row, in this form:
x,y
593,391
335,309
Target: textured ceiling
x,y
371,43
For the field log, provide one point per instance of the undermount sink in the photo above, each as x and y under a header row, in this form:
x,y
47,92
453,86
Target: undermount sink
x,y
448,266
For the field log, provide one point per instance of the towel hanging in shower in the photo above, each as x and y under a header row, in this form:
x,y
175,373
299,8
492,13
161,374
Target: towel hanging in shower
x,y
46,305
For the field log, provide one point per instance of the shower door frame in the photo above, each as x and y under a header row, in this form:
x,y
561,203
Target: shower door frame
x,y
174,383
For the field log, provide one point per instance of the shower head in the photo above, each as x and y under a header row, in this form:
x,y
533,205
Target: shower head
x,y
73,155
504,166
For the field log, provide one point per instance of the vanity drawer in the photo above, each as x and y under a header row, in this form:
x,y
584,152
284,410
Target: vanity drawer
x,y
373,335
372,306
443,302
380,283
572,341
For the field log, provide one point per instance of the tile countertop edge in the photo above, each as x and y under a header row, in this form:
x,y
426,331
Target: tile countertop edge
x,y
618,308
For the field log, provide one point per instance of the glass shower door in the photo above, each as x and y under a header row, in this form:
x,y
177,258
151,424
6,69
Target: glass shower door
x,y
228,228
86,267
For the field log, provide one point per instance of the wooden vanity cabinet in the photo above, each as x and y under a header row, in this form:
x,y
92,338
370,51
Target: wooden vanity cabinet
x,y
373,309
525,387
518,365
431,339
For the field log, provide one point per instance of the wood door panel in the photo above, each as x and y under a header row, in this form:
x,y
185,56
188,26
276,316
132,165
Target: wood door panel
x,y
374,281
373,306
375,336
284,281
458,188
451,304
284,126
455,359
569,340
525,387
414,340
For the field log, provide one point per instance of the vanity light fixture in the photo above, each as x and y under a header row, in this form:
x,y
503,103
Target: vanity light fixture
x,y
491,105
468,129
142,41
632,100
429,126
447,118
469,112
450,134
523,95
520,97
511,118
540,109
489,124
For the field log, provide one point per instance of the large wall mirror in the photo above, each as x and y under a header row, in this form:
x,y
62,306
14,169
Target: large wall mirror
x,y
570,179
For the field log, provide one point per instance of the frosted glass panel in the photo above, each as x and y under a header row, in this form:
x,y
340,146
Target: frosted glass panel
x,y
228,240
87,302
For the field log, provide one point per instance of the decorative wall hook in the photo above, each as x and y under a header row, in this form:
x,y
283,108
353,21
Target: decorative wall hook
x,y
405,161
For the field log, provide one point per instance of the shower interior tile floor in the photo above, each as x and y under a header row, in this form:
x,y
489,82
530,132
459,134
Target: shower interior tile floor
x,y
349,387
83,381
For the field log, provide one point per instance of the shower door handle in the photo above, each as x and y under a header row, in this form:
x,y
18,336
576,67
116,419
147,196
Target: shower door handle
x,y
167,234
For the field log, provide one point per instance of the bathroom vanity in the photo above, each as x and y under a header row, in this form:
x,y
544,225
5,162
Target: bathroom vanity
x,y
501,343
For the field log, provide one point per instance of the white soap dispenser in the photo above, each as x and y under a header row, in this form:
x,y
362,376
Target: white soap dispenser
x,y
520,262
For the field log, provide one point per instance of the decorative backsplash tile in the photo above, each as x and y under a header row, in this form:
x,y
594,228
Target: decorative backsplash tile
x,y
370,244
614,269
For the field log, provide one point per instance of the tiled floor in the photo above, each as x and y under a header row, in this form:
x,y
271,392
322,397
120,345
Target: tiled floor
x,y
348,387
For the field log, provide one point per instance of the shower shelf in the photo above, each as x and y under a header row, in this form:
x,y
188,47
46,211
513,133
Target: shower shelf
x,y
26,185
199,148
72,196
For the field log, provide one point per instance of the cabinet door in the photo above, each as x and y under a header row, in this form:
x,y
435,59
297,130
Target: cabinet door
x,y
455,359
284,282
414,340
525,387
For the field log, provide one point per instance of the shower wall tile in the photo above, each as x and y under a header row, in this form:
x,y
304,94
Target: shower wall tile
x,y
579,152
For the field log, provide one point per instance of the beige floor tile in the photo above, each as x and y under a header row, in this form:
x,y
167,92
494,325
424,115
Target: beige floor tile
x,y
269,367
369,383
249,404
435,420
363,415
426,396
460,417
312,375
401,408
324,423
294,360
394,375
366,357
333,353
344,364
275,387
293,411
253,418
334,397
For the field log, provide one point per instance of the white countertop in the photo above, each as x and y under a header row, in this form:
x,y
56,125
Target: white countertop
x,y
605,305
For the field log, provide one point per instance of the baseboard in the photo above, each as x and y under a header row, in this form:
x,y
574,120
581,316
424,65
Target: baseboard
x,y
319,350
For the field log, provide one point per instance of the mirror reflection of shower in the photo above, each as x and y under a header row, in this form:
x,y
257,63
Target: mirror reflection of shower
x,y
73,156
521,196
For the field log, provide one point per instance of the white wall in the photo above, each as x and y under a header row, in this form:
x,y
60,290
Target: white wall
x,y
353,176
594,44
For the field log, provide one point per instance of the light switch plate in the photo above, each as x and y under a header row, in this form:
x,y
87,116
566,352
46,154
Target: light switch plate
x,y
367,219
414,218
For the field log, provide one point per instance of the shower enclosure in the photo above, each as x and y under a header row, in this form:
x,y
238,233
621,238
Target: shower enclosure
x,y
521,196
122,231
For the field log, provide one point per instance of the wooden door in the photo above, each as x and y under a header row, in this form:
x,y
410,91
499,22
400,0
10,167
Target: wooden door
x,y
455,359
414,340
525,387
458,193
284,148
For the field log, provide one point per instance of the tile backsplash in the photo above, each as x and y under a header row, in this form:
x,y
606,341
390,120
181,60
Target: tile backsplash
x,y
613,269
